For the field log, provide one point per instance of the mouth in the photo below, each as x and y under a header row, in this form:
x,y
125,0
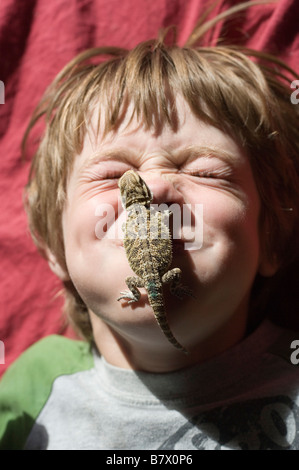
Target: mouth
x,y
179,246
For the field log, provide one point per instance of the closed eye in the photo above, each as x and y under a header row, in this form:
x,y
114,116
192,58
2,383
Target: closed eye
x,y
103,172
214,174
222,178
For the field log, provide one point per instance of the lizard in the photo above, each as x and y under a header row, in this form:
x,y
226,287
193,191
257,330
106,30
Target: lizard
x,y
148,248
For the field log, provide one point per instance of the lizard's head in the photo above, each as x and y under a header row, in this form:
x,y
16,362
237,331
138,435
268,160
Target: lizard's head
x,y
134,190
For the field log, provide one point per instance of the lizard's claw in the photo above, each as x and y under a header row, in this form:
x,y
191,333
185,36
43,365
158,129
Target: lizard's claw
x,y
128,296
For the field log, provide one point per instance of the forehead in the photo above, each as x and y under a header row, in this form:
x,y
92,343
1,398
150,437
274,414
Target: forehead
x,y
132,136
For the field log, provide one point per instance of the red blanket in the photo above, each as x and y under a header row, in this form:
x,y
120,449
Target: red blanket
x,y
37,38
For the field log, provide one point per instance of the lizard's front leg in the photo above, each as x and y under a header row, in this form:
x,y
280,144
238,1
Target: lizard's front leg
x,y
133,295
173,277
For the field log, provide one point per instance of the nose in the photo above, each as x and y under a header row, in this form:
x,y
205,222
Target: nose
x,y
162,188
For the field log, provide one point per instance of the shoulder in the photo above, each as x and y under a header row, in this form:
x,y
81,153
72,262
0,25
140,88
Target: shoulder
x,y
51,356
27,384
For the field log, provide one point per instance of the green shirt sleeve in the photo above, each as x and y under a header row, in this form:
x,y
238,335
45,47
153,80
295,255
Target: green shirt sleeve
x,y
26,386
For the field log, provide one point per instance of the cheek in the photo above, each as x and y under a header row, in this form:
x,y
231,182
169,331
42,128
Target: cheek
x,y
234,223
93,263
90,220
92,234
230,239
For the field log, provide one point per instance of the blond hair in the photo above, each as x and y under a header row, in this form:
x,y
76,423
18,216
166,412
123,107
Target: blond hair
x,y
244,92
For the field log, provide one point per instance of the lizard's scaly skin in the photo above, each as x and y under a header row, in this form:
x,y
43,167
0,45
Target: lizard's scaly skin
x,y
148,247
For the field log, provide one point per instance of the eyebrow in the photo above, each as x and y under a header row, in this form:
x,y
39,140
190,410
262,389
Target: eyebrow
x,y
118,153
194,151
188,153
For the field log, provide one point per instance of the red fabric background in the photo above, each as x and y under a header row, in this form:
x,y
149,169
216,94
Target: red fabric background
x,y
37,38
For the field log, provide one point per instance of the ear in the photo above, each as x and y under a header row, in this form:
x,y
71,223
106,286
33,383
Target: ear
x,y
56,267
267,267
269,263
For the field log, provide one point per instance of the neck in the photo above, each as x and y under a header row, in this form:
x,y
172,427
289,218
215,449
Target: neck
x,y
147,352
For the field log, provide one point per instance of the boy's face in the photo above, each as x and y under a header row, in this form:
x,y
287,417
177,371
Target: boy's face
x,y
198,164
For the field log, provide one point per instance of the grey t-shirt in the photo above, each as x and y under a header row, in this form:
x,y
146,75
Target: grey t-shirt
x,y
246,398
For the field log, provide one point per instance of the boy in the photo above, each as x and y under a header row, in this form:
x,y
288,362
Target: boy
x,y
201,126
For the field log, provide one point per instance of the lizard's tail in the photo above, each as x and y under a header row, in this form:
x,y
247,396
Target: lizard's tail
x,y
157,304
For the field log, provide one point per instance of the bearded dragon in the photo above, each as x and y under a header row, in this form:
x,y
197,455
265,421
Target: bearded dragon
x,y
148,247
